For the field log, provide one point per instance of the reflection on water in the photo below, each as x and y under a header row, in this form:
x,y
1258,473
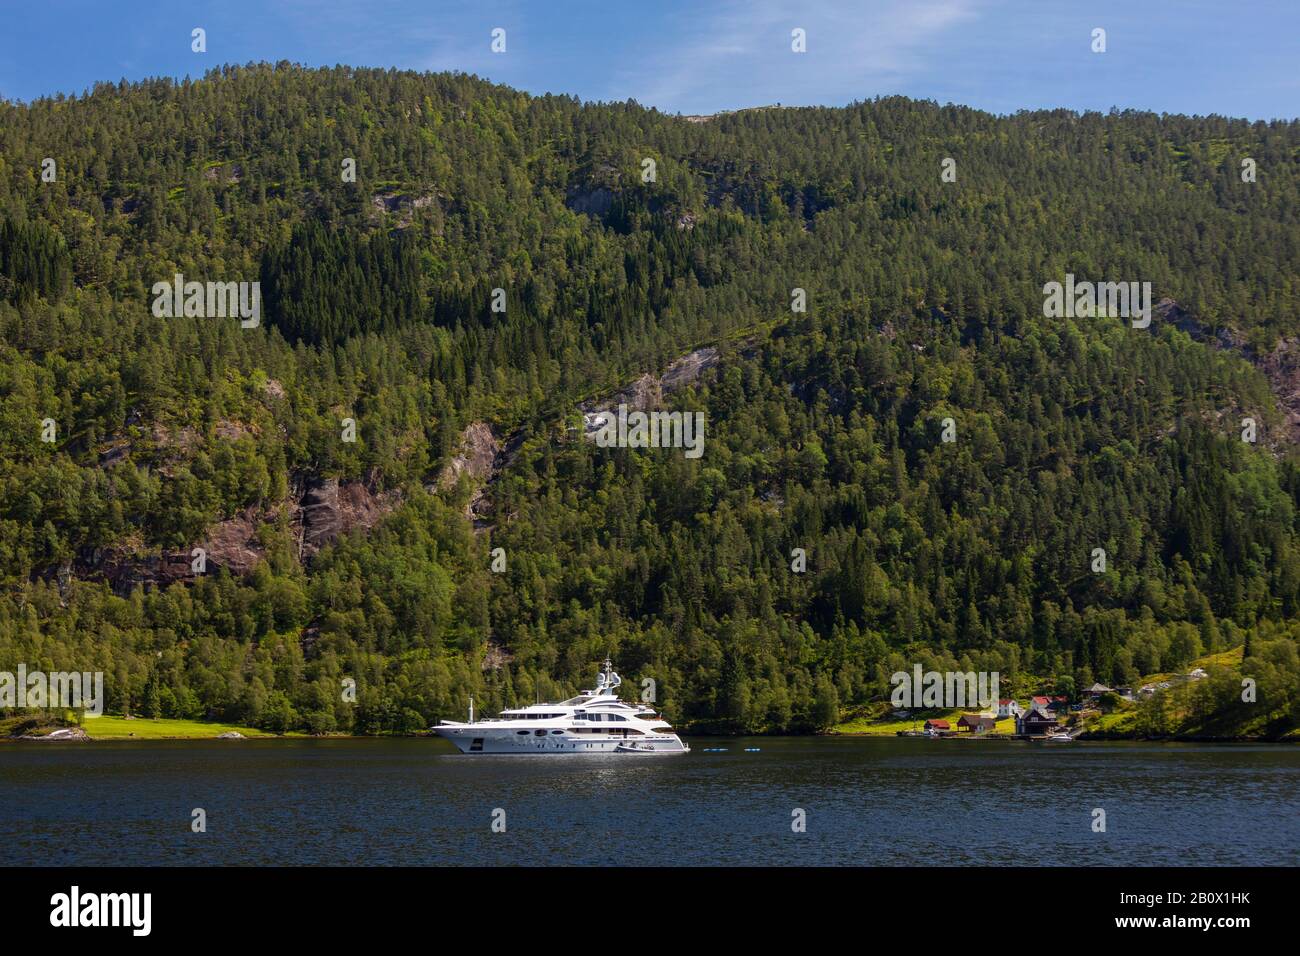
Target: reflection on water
x,y
875,802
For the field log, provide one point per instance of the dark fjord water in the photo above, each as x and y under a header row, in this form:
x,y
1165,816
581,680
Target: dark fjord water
x,y
868,802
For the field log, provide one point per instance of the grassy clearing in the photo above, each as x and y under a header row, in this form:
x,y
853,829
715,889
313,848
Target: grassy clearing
x,y
1117,722
143,728
1230,658
878,722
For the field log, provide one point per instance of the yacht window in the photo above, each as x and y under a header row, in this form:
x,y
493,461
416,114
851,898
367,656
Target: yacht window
x,y
522,733
557,731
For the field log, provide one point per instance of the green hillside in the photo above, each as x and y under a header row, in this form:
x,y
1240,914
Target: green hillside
x,y
372,560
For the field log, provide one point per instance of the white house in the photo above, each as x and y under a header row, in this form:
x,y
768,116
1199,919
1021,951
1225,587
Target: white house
x,y
1009,708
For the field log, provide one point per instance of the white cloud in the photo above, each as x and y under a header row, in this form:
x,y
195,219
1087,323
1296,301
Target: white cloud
x,y
740,54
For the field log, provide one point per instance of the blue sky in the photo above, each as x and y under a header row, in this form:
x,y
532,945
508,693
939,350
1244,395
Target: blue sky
x,y
1233,57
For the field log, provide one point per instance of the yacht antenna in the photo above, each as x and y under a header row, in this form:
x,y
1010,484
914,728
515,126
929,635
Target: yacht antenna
x,y
471,710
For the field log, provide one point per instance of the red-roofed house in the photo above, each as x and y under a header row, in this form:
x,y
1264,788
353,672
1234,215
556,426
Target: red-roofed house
x,y
937,727
1010,708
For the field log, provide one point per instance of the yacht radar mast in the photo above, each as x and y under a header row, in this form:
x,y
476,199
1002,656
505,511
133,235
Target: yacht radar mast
x,y
607,681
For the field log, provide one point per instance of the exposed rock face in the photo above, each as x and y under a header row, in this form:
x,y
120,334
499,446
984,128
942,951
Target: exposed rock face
x,y
231,735
171,445
1282,366
175,442
230,430
330,509
402,205
688,368
496,656
115,454
320,514
124,570
647,391
1170,311
478,452
481,458
233,545
643,394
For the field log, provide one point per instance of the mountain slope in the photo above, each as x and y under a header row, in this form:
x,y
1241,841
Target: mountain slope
x,y
825,428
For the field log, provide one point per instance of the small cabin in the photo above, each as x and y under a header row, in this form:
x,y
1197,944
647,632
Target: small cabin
x,y
937,727
976,723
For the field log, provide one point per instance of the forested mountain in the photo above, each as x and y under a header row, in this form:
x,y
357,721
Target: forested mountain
x,y
825,428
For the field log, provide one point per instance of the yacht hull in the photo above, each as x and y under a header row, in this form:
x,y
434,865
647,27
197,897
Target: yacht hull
x,y
469,739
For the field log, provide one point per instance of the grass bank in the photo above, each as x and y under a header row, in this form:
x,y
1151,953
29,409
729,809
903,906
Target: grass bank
x,y
878,721
145,728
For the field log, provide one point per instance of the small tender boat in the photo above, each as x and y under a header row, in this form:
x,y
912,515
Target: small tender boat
x,y
638,748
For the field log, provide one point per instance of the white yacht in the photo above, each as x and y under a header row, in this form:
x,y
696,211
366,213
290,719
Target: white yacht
x,y
595,721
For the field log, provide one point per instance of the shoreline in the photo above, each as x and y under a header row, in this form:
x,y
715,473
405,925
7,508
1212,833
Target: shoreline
x,y
1000,738
1101,737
